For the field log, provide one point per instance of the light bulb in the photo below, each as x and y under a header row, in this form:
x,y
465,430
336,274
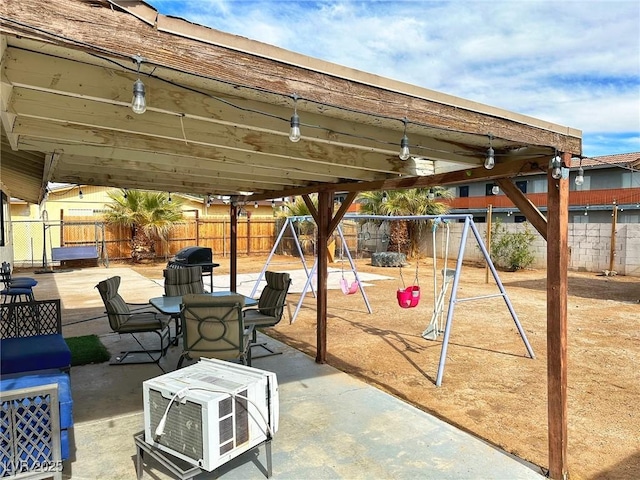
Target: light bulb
x,y
585,213
80,194
255,204
431,195
385,198
556,167
169,199
138,103
404,148
495,189
294,133
490,159
580,176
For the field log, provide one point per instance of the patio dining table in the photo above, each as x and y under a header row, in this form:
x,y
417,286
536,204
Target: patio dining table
x,y
171,306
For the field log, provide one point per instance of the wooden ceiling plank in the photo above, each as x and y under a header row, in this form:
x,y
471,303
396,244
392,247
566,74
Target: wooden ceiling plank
x,y
134,159
81,80
63,133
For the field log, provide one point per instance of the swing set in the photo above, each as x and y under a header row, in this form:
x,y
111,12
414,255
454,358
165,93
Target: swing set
x,y
346,287
409,297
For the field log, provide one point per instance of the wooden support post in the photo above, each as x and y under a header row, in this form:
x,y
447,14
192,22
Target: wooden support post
x,y
557,263
233,253
325,210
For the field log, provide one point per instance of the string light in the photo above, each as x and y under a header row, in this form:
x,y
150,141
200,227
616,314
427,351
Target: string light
x,y
294,132
169,200
139,102
80,194
255,204
126,193
385,197
404,143
431,194
580,177
556,167
495,189
490,159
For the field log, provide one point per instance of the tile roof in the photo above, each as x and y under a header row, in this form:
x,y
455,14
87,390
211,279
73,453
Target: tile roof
x,y
629,159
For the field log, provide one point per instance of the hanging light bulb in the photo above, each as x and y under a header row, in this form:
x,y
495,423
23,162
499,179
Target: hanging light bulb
x,y
273,203
556,167
385,197
495,189
404,143
80,194
586,213
169,199
431,194
255,204
580,177
138,102
294,132
490,159
126,193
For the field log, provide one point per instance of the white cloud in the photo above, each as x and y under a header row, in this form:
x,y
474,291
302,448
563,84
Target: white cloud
x,y
576,63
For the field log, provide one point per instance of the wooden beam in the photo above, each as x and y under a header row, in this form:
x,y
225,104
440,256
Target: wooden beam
x,y
337,218
233,254
557,264
325,209
507,169
526,206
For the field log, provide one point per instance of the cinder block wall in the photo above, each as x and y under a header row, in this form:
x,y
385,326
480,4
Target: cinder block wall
x,y
589,245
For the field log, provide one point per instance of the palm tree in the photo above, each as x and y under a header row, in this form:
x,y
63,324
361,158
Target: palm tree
x,y
404,235
149,215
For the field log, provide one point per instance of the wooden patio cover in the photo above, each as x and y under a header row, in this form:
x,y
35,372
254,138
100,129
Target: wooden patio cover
x,y
217,122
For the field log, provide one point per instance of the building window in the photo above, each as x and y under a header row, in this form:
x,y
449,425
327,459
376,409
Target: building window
x,y
4,216
519,219
463,191
522,186
480,219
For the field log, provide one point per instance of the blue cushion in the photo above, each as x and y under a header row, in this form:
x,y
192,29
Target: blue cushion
x,y
17,381
24,354
25,380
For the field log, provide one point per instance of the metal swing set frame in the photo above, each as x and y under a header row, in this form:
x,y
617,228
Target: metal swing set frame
x,y
449,276
355,285
454,277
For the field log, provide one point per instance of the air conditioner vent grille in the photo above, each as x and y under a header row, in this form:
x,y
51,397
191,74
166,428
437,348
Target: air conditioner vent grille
x,y
183,430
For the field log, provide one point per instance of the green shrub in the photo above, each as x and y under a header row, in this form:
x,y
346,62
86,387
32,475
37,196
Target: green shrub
x,y
511,251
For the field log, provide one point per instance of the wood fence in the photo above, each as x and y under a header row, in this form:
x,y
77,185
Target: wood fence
x,y
256,236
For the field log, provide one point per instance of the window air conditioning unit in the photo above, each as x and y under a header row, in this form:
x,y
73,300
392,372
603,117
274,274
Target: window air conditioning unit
x,y
210,412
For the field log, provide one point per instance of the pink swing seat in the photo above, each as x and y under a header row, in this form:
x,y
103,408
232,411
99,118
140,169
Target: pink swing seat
x,y
409,297
348,289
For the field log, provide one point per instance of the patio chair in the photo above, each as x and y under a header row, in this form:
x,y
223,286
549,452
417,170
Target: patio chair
x,y
123,320
181,281
213,328
270,307
15,289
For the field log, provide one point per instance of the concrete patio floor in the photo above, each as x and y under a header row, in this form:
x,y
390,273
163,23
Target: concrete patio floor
x,y
332,426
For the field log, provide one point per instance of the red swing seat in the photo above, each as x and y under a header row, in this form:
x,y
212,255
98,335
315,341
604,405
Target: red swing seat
x,y
408,297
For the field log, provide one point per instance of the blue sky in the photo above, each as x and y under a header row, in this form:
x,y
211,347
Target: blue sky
x,y
575,63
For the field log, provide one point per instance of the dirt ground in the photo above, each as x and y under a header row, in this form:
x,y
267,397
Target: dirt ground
x,y
490,387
